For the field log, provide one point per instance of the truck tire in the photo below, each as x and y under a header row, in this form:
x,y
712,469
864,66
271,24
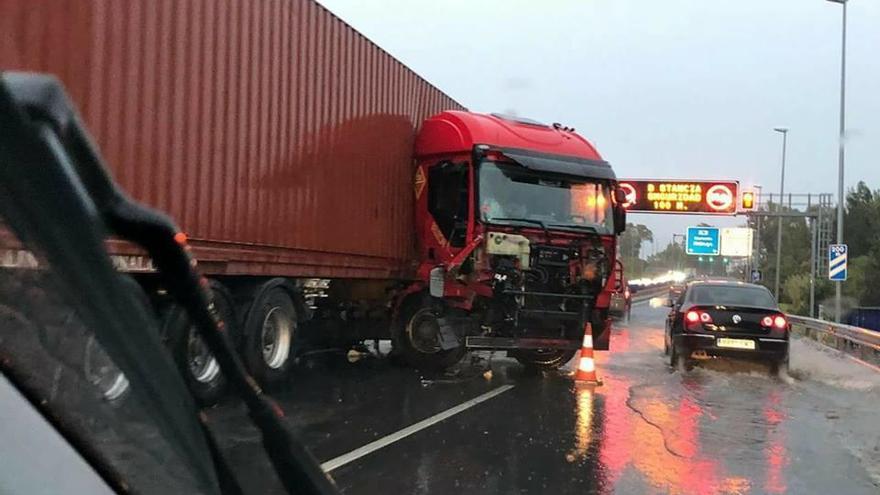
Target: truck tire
x,y
270,328
416,338
101,371
542,359
98,368
199,368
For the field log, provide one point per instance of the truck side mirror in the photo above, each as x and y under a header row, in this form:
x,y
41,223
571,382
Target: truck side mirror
x,y
619,210
619,219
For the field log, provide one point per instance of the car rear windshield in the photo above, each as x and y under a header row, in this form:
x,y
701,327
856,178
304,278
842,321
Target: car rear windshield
x,y
732,295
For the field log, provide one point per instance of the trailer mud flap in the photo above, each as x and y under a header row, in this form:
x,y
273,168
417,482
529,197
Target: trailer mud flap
x,y
602,336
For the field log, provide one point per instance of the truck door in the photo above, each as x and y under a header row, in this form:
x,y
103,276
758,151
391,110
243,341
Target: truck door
x,y
449,206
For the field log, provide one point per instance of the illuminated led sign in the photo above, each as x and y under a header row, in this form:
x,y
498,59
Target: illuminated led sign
x,y
678,196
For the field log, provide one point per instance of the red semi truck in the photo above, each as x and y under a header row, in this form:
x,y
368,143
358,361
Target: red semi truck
x,y
298,155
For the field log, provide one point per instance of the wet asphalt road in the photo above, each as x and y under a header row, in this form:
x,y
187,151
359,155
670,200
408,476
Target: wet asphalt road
x,y
725,427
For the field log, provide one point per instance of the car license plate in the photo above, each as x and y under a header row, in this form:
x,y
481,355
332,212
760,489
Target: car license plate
x,y
736,343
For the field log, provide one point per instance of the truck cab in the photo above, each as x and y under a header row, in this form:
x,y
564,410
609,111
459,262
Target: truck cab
x,y
516,224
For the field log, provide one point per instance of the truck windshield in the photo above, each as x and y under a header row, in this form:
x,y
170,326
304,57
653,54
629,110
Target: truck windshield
x,y
508,191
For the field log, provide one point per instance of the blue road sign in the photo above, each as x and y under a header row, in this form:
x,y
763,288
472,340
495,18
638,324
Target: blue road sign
x,y
837,262
703,241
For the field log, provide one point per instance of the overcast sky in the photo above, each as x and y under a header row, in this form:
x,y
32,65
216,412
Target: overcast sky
x,y
673,88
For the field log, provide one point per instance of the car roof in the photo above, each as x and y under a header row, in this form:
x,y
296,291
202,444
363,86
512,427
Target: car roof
x,y
725,283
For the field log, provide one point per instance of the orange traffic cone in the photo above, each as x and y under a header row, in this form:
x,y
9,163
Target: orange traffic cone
x,y
586,370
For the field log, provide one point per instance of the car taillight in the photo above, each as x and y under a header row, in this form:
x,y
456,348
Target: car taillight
x,y
692,316
705,317
777,321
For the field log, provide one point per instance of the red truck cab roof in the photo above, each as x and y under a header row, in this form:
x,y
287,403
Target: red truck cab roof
x,y
547,148
459,131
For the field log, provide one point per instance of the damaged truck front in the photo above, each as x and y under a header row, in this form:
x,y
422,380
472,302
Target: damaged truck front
x,y
517,224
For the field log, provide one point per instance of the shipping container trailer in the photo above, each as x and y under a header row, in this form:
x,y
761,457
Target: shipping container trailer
x,y
257,125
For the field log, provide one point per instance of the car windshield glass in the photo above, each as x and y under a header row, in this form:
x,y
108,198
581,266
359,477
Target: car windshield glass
x,y
509,192
732,295
49,351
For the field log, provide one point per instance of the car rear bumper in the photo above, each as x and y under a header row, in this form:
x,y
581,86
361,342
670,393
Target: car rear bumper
x,y
765,347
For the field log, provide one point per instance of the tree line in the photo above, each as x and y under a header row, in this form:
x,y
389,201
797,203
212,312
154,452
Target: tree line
x,y
861,234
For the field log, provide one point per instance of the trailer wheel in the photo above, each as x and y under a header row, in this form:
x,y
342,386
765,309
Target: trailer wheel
x,y
270,329
98,368
102,372
542,359
417,339
200,369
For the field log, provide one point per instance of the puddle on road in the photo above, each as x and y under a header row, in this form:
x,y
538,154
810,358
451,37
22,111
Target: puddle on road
x,y
732,426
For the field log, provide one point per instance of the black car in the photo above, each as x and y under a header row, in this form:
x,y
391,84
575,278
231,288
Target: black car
x,y
723,318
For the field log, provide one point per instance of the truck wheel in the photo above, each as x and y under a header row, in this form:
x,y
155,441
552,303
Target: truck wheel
x,y
101,372
543,359
98,368
269,332
417,337
200,369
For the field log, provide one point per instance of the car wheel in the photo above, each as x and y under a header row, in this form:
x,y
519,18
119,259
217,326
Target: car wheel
x,y
678,361
779,366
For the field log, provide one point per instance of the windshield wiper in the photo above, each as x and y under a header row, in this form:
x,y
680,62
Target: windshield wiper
x,y
524,220
58,168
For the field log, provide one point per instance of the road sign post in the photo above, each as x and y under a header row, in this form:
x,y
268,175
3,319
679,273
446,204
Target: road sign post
x,y
837,258
703,241
681,196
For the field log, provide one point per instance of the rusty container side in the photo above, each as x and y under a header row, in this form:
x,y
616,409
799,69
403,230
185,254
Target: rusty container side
x,y
277,136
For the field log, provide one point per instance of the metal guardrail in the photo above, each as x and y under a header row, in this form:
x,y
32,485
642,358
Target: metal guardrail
x,y
860,342
647,294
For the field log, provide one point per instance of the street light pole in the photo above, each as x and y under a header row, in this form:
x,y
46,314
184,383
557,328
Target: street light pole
x,y
758,229
679,256
784,131
841,150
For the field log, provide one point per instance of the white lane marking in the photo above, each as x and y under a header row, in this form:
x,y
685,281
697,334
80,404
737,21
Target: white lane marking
x,y
409,430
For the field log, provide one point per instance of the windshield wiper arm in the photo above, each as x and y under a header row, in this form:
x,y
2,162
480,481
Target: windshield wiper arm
x,y
524,220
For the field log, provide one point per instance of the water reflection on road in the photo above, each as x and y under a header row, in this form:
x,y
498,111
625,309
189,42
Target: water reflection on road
x,y
725,427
